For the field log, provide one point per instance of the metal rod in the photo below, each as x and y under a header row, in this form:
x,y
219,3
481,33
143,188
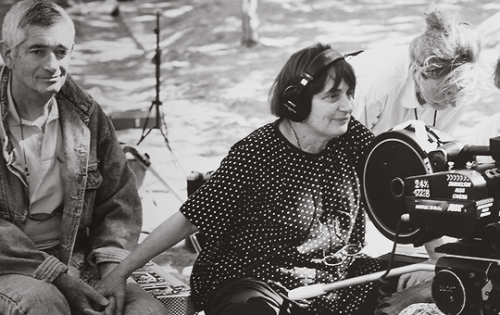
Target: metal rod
x,y
314,290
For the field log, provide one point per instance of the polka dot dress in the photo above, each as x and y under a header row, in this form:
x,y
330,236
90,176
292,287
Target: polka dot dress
x,y
276,213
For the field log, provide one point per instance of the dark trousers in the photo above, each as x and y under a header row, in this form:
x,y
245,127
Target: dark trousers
x,y
252,297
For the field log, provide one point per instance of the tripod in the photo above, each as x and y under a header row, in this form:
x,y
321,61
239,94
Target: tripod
x,y
156,104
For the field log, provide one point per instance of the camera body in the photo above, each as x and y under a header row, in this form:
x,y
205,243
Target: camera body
x,y
466,285
444,192
461,201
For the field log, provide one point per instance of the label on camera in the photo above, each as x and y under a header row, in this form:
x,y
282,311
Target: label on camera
x,y
460,207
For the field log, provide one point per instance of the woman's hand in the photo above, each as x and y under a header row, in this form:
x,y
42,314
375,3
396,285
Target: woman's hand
x,y
411,279
417,277
113,286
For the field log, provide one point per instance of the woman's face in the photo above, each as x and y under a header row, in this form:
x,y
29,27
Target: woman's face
x,y
432,93
330,111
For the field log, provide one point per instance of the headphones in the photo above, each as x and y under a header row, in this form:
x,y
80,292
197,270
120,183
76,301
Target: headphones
x,y
297,106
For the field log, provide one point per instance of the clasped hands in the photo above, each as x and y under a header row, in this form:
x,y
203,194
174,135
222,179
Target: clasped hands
x,y
105,297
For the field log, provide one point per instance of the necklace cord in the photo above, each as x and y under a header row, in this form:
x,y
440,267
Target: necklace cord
x,y
435,116
295,134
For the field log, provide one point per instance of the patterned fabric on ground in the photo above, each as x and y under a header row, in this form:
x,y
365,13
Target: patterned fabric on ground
x,y
422,309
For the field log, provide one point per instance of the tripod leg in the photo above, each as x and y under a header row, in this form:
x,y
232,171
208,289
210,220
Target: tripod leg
x,y
163,129
144,133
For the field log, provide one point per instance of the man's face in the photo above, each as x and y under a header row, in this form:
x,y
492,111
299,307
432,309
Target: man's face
x,y
39,64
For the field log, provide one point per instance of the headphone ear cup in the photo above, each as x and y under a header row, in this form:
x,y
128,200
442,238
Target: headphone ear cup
x,y
296,105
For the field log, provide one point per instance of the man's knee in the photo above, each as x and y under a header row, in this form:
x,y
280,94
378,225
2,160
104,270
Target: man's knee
x,y
138,301
25,295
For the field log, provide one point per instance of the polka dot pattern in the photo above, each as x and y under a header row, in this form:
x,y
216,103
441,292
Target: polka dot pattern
x,y
273,212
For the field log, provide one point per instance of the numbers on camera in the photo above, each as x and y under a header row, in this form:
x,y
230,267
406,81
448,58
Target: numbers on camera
x,y
421,183
422,193
421,188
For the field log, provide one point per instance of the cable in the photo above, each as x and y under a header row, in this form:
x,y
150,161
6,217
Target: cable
x,y
385,288
435,115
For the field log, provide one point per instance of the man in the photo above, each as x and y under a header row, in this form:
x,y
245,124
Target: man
x,y
69,208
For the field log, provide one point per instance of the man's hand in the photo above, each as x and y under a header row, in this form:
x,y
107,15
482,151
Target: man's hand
x,y
410,279
420,293
82,298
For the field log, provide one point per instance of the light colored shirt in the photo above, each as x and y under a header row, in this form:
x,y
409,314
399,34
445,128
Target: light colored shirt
x,y
481,134
40,143
385,93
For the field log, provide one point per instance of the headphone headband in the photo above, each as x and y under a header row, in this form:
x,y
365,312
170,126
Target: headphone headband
x,y
322,60
296,105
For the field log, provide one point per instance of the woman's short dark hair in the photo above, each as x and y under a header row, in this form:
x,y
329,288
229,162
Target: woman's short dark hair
x,y
296,65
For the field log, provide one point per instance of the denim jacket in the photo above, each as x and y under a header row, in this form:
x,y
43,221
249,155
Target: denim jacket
x,y
102,215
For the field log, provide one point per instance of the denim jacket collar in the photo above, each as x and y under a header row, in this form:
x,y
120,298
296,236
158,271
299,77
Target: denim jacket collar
x,y
70,92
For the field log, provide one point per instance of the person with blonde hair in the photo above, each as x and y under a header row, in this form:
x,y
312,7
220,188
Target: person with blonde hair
x,y
433,79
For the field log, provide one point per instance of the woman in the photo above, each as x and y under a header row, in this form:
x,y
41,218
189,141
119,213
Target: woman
x,y
432,80
284,208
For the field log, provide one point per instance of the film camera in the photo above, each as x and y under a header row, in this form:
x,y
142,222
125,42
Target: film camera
x,y
439,188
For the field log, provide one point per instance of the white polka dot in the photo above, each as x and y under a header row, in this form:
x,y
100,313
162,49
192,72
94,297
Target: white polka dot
x,y
271,206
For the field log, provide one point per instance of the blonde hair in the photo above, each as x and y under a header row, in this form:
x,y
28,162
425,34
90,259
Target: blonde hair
x,y
43,13
448,51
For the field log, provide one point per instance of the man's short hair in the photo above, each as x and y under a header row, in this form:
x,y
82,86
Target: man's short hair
x,y
42,13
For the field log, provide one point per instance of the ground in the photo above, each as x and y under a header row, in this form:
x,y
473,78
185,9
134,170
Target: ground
x,y
212,91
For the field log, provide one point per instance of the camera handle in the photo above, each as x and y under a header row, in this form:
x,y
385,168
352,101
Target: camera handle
x,y
310,291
